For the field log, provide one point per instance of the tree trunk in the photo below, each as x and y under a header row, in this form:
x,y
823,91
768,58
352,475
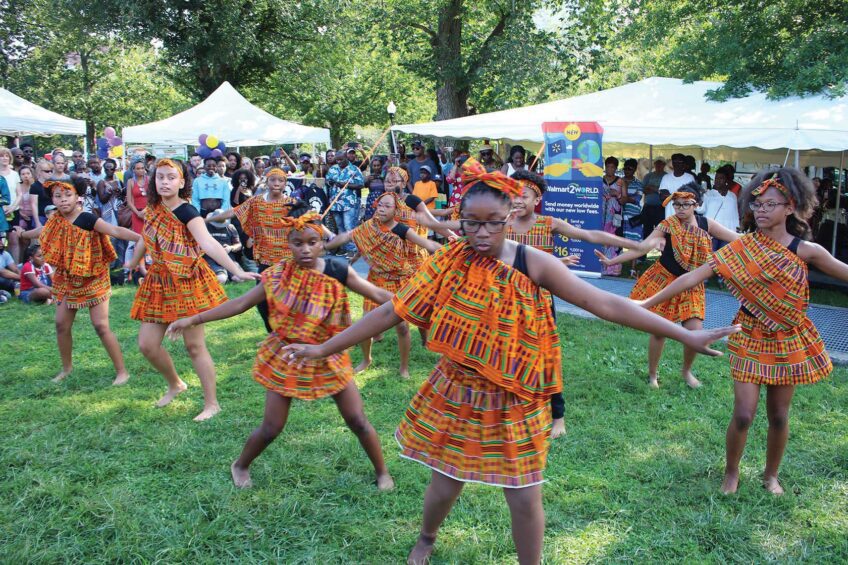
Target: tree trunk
x,y
452,94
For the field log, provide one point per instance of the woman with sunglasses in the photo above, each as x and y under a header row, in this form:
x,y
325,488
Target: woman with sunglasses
x,y
685,240
779,347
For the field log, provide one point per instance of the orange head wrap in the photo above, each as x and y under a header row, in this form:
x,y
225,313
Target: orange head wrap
x,y
679,196
774,182
276,172
400,171
52,185
310,220
473,172
170,163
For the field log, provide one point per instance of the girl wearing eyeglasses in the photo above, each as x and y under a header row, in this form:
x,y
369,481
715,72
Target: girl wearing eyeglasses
x,y
483,414
685,240
779,347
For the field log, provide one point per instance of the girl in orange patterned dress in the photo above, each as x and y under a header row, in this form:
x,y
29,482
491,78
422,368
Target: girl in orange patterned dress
x,y
307,302
388,247
77,245
179,283
779,347
260,218
483,414
686,245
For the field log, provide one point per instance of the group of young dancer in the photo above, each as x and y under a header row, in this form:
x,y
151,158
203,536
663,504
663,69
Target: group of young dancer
x,y
483,302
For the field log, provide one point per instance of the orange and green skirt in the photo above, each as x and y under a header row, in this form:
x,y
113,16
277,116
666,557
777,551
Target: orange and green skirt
x,y
317,378
685,306
78,292
466,427
762,356
391,283
164,297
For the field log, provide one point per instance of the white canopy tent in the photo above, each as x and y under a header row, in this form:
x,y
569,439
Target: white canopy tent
x,y
227,115
668,115
20,117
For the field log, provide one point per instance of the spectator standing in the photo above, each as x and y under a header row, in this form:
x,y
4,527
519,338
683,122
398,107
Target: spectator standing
x,y
233,162
60,167
420,159
611,218
222,166
487,158
721,206
376,187
517,161
704,179
345,211
195,165
654,178
12,201
109,193
28,152
677,178
17,158
43,172
426,189
211,190
137,194
631,204
730,174
29,207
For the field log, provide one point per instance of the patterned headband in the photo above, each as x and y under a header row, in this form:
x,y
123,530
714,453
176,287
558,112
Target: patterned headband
x,y
679,196
276,172
531,185
402,172
391,194
774,182
54,184
473,172
310,220
170,163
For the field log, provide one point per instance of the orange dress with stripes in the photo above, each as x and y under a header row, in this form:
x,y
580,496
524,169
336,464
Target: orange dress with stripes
x,y
260,219
778,344
304,306
179,283
81,258
406,215
540,236
388,256
483,414
687,248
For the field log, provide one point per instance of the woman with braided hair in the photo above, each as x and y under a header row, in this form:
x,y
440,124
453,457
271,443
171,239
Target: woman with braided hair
x,y
483,414
686,244
307,302
778,347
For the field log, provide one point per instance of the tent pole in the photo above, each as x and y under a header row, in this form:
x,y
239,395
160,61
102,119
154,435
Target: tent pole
x,y
839,188
651,154
797,159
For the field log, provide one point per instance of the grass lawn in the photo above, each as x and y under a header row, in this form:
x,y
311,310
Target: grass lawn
x,y
95,473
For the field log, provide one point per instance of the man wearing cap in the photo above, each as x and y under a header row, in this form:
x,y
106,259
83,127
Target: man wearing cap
x,y
345,210
420,159
226,234
487,158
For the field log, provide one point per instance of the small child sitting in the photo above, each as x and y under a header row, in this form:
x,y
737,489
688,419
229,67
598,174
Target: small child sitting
x,y
36,277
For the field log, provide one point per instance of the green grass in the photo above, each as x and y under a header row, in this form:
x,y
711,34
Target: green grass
x,y
95,473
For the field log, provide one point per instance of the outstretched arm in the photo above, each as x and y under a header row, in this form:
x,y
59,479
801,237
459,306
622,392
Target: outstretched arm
x,y
597,237
115,231
549,273
420,241
28,234
226,310
337,241
818,256
653,241
197,227
138,253
680,284
365,288
375,322
225,215
718,231
425,217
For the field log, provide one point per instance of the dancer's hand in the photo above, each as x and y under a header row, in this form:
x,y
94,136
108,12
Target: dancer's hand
x,y
570,260
699,340
245,276
175,329
605,261
298,353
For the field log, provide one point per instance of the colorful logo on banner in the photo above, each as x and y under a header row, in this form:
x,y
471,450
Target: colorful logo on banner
x,y
574,171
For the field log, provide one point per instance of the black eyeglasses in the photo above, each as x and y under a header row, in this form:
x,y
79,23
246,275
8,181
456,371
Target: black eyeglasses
x,y
684,205
473,226
768,206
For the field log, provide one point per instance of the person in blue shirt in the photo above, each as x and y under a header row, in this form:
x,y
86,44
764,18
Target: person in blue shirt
x,y
209,191
345,210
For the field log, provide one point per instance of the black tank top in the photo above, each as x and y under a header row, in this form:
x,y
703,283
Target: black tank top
x,y
793,247
667,259
336,268
520,262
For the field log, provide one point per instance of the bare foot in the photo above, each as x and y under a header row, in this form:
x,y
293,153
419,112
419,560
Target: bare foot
x,y
730,484
385,482
62,375
207,413
691,380
362,366
421,551
772,485
241,477
171,394
404,374
653,382
121,379
558,428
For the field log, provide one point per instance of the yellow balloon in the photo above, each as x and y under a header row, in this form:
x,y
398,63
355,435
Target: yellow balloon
x,y
117,151
557,169
211,142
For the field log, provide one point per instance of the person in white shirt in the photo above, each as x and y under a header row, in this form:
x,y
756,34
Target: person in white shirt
x,y
720,205
674,180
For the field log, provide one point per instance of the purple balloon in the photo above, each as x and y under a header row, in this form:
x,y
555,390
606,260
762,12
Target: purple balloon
x,y
202,139
102,143
216,153
222,147
116,141
109,132
102,153
204,152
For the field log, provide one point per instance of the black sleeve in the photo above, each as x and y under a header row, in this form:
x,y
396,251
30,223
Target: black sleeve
x,y
36,188
186,213
412,201
86,221
336,268
703,223
400,230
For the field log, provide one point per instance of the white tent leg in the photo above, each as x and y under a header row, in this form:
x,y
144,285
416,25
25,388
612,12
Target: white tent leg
x,y
838,198
797,159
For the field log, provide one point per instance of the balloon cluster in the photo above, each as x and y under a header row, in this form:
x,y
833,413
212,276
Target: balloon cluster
x,y
210,146
110,145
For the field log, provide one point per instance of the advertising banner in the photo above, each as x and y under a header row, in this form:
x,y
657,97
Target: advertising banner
x,y
574,171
